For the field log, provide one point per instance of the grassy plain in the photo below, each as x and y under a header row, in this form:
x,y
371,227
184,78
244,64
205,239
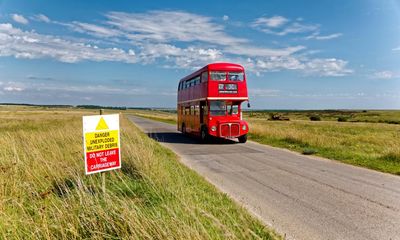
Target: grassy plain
x,y
44,193
369,139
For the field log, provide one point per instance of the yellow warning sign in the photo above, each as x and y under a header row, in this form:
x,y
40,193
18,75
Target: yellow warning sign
x,y
102,125
101,143
104,140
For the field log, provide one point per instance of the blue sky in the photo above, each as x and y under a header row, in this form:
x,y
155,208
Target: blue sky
x,y
297,54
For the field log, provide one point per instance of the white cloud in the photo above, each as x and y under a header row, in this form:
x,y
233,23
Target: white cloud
x,y
225,18
41,18
273,64
30,45
166,26
191,57
281,26
272,22
383,75
295,28
95,30
251,51
174,39
317,36
13,89
327,67
396,49
19,19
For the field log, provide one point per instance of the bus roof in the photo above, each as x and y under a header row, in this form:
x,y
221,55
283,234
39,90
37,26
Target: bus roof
x,y
222,66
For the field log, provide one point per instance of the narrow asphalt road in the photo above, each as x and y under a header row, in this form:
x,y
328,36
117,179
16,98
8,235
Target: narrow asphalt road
x,y
299,196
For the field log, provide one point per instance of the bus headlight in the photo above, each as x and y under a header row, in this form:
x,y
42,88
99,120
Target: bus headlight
x,y
244,127
213,128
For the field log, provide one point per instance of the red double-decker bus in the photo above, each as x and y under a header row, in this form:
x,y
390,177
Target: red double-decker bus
x,y
209,102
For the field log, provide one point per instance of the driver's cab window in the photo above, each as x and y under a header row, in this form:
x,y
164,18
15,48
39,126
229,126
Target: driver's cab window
x,y
232,109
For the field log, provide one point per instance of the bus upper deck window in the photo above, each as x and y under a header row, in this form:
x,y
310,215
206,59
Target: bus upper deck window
x,y
235,76
204,77
218,76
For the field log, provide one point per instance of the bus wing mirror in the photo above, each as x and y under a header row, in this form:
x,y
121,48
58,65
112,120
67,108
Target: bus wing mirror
x,y
248,105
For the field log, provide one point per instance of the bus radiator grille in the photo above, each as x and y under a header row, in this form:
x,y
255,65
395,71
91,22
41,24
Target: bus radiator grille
x,y
229,130
235,130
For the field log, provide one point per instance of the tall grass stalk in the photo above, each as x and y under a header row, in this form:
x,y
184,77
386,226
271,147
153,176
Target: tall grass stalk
x,y
44,193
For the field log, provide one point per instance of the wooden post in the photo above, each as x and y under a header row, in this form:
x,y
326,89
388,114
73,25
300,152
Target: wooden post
x,y
103,175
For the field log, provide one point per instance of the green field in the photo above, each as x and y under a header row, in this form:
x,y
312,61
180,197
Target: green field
x,y
372,116
369,139
44,193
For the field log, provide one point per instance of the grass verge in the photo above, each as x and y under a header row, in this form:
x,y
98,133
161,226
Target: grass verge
x,y
44,193
371,145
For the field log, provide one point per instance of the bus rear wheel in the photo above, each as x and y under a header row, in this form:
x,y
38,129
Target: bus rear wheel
x,y
243,139
204,134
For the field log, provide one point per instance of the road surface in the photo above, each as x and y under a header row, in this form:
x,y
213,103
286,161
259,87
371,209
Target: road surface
x,y
301,197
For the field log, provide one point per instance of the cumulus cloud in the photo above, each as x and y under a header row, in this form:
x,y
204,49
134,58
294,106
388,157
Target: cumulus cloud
x,y
12,89
191,57
30,45
225,18
328,67
173,39
19,19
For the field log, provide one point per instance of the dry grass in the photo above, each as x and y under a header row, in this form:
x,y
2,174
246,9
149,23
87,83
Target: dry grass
x,y
372,145
162,116
44,193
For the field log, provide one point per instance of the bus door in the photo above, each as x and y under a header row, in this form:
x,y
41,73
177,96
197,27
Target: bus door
x,y
203,112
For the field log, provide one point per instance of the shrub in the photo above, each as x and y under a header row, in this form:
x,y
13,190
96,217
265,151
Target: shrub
x,y
342,119
278,117
315,118
309,151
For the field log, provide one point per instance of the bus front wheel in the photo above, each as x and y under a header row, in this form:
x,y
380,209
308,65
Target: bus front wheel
x,y
243,139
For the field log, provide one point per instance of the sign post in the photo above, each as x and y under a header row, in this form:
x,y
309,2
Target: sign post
x,y
101,144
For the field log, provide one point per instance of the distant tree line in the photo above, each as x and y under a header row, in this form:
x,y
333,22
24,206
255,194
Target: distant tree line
x,y
100,107
38,105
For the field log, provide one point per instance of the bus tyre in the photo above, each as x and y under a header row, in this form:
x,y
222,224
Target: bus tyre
x,y
243,139
204,134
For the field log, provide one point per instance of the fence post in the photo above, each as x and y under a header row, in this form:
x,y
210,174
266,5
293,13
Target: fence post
x,y
103,175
